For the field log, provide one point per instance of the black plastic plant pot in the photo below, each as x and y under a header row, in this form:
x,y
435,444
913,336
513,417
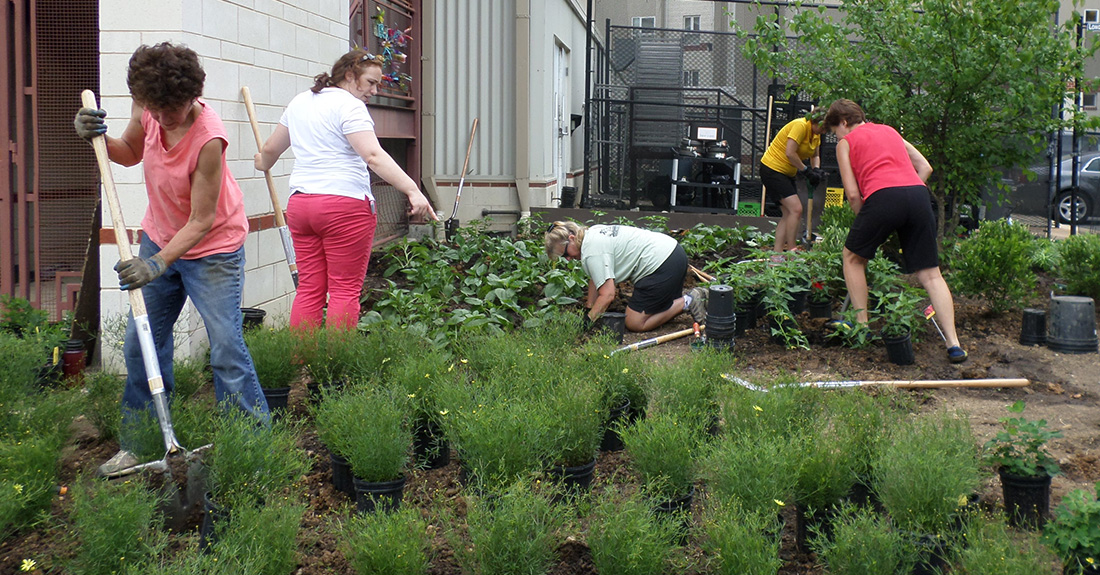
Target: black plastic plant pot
x,y
820,309
680,506
798,302
277,400
1027,499
574,478
213,518
1072,327
613,323
430,448
1033,330
341,475
720,301
373,496
931,554
745,318
804,524
899,349
611,440
252,317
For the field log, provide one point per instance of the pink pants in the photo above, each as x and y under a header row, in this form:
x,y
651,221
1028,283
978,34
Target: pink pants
x,y
332,241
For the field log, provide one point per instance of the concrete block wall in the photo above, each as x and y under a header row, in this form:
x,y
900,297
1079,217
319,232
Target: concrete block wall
x,y
275,48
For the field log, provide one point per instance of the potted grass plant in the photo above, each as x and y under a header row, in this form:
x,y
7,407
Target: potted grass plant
x,y
626,537
863,541
1025,467
824,476
275,368
572,410
330,357
370,429
739,540
661,449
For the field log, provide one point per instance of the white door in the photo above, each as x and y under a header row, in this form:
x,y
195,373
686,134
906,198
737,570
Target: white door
x,y
561,114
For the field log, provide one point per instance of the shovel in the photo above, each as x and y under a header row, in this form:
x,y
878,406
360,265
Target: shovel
x,y
137,309
450,227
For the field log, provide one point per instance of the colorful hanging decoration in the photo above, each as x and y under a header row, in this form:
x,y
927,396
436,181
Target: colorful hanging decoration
x,y
392,43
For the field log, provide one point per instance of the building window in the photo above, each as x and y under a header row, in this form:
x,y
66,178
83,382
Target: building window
x,y
691,78
643,22
692,22
1088,101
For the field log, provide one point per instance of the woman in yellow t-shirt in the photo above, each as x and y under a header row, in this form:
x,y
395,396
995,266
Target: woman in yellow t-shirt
x,y
794,151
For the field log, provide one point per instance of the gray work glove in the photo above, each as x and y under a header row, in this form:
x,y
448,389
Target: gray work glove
x,y
89,123
135,273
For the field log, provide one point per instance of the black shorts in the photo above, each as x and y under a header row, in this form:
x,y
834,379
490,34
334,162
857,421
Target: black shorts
x,y
656,292
778,184
907,210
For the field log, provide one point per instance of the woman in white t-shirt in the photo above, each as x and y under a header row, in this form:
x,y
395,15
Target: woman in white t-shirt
x,y
331,212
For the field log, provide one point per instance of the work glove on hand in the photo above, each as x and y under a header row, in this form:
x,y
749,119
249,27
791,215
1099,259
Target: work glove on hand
x,y
135,273
813,176
89,123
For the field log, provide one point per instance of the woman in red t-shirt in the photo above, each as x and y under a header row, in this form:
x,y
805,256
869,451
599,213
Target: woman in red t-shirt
x,y
884,180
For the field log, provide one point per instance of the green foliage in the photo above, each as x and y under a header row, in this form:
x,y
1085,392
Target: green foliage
x,y
688,388
250,464
740,541
115,525
899,310
840,217
995,263
958,77
863,543
22,359
513,534
269,348
190,375
261,540
19,317
994,548
395,543
102,402
850,332
1079,264
627,538
756,472
330,355
573,413
29,471
1044,255
825,469
371,428
926,471
702,239
1020,447
662,448
1074,530
784,411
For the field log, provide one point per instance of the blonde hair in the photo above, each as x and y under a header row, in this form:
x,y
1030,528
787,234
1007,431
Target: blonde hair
x,y
558,233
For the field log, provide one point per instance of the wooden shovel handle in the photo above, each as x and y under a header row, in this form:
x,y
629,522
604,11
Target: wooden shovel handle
x,y
280,219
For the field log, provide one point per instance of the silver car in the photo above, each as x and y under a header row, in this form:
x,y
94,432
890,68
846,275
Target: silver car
x,y
1030,197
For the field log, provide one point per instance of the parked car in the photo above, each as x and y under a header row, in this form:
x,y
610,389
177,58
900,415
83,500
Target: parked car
x,y
1030,197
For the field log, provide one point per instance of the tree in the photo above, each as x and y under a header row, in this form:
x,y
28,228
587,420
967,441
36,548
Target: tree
x,y
971,83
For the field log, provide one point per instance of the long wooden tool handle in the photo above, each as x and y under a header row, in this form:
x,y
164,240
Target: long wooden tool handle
x,y
280,219
657,340
465,163
122,239
928,383
767,142
702,275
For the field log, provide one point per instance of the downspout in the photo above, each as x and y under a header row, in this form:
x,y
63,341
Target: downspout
x,y
427,105
523,106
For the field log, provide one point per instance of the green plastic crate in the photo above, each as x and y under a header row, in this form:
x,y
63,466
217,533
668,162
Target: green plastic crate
x,y
748,208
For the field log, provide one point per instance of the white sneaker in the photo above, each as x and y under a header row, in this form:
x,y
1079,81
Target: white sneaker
x,y
122,461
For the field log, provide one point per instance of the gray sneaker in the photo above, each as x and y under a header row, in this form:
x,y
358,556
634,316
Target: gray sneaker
x,y
122,461
698,306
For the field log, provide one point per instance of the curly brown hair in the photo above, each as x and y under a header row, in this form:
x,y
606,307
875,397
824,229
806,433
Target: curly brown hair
x,y
165,76
356,62
845,111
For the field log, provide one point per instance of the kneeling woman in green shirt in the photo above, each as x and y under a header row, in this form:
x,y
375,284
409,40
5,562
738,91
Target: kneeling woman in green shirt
x,y
655,263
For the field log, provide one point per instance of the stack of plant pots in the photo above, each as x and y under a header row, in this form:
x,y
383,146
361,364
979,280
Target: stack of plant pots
x,y
721,320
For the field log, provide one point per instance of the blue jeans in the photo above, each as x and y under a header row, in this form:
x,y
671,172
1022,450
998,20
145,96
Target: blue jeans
x,y
214,285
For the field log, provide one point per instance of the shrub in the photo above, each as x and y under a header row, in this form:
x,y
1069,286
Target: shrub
x,y
275,368
115,524
1020,447
1079,264
261,540
995,265
395,543
512,534
662,449
993,548
251,464
899,310
1074,530
863,543
740,542
573,413
368,427
757,472
627,538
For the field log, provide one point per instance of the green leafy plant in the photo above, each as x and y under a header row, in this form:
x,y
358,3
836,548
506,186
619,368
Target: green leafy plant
x,y
19,317
114,525
991,545
250,464
330,354
825,468
899,310
371,428
661,449
515,533
863,542
394,543
757,472
1079,264
627,538
1074,530
850,332
740,541
688,388
995,263
275,367
190,375
573,411
1020,447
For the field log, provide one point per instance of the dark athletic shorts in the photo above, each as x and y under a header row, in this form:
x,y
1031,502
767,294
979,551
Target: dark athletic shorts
x,y
907,210
656,292
779,185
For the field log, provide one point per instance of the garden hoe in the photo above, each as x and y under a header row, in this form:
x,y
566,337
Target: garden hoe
x,y
450,227
137,309
280,219
661,339
901,384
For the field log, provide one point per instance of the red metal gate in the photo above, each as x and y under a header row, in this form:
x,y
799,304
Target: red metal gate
x,y
48,182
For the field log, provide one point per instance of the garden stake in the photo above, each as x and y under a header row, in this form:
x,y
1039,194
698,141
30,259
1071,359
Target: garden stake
x,y
930,313
280,220
137,307
451,225
659,339
899,383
